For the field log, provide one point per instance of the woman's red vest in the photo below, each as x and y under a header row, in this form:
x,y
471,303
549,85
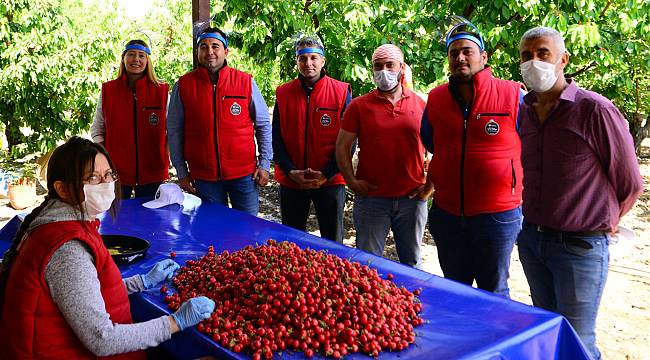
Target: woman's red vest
x,y
310,125
136,130
491,178
32,324
219,140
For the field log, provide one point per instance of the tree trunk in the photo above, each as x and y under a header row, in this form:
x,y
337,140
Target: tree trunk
x,y
639,131
12,131
11,126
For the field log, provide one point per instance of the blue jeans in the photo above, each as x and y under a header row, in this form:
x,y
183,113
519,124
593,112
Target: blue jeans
x,y
147,190
375,216
242,193
566,275
329,203
476,247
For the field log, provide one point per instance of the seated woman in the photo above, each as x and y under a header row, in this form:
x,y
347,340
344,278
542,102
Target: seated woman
x,y
61,294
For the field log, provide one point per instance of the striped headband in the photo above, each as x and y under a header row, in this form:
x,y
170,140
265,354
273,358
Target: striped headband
x,y
388,51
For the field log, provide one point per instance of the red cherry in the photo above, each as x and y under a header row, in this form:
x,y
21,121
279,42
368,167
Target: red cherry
x,y
277,296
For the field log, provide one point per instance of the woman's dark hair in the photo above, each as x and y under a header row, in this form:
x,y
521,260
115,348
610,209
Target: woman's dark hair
x,y
67,164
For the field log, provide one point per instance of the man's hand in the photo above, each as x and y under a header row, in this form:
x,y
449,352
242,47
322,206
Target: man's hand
x,y
261,177
187,184
317,178
297,176
301,178
423,192
361,187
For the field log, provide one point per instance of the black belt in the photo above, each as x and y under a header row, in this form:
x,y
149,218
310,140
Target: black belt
x,y
567,236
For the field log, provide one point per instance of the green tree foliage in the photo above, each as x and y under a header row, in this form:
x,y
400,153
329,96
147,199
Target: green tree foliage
x,y
609,40
47,72
54,54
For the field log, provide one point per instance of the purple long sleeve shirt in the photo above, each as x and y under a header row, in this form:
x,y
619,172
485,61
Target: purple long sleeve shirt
x,y
580,168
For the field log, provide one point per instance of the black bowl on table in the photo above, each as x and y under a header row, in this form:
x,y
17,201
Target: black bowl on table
x,y
126,249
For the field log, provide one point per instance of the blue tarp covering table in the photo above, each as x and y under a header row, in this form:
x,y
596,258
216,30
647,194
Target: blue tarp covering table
x,y
461,322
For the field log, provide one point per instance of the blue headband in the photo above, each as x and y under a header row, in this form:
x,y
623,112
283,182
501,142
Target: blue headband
x,y
212,36
310,50
461,31
477,40
137,47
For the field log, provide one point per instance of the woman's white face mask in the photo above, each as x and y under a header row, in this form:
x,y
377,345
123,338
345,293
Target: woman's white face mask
x,y
385,80
98,198
539,76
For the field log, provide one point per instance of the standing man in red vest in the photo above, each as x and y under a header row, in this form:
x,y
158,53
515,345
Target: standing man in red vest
x,y
470,127
389,181
215,115
306,121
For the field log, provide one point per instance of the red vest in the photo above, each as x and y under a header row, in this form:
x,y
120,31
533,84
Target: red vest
x,y
491,178
33,326
136,130
310,125
219,142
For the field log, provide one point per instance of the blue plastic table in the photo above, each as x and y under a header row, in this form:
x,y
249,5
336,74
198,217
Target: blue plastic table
x,y
461,322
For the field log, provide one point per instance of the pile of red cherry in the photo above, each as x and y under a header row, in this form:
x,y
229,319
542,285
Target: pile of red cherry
x,y
277,297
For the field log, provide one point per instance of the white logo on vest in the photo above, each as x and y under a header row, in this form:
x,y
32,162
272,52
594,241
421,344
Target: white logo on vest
x,y
235,109
153,119
325,120
492,127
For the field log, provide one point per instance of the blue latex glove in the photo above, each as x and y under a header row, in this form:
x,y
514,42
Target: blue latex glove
x,y
161,271
193,311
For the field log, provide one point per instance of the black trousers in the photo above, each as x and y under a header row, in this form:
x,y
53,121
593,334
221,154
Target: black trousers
x,y
329,202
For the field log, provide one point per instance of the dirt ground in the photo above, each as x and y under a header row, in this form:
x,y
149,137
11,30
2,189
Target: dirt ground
x,y
623,328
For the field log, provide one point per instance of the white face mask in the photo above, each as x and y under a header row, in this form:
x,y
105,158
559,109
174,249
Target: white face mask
x,y
385,80
98,198
539,75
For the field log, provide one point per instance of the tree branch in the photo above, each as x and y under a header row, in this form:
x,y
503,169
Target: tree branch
x,y
602,13
591,64
513,17
314,18
636,90
498,46
469,9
